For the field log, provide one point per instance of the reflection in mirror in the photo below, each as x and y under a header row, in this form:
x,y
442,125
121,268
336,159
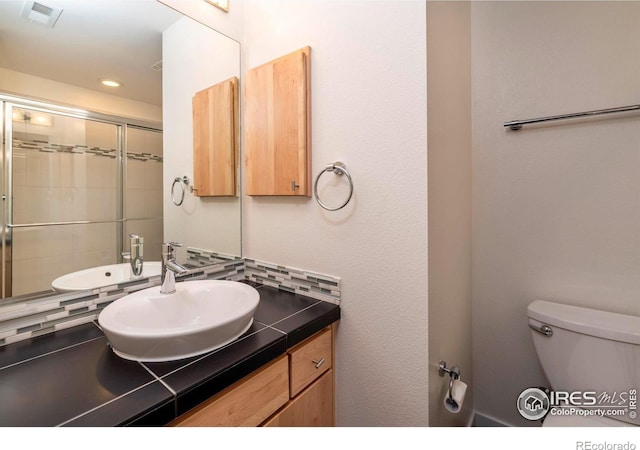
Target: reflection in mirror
x,y
63,171
73,196
210,223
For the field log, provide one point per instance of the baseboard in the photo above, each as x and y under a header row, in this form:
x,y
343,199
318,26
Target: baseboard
x,y
472,418
481,420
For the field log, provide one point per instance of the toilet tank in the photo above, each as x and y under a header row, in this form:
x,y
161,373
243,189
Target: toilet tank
x,y
588,350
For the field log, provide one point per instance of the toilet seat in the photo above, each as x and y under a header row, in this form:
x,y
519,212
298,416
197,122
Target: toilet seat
x,y
582,421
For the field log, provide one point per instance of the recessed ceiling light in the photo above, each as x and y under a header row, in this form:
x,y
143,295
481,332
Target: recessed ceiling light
x,y
110,83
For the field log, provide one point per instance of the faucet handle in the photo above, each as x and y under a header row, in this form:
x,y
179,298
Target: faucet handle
x,y
169,247
126,256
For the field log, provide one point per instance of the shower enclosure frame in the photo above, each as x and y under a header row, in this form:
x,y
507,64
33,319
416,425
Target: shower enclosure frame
x,y
7,104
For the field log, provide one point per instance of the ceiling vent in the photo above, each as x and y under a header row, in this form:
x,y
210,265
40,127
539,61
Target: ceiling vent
x,y
157,66
41,14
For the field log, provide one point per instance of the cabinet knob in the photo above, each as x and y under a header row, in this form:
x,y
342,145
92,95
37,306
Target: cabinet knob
x,y
318,363
294,186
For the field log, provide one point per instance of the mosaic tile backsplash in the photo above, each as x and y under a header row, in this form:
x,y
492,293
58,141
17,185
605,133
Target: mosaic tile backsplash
x,y
21,320
297,281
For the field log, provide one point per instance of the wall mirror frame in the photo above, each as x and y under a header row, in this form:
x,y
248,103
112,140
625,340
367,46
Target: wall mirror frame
x,y
180,224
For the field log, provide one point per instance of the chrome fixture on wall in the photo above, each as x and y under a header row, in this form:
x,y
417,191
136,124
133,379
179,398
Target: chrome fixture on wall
x,y
340,169
183,182
516,125
457,389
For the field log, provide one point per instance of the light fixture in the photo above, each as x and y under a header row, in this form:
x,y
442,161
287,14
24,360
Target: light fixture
x,y
221,4
110,83
32,117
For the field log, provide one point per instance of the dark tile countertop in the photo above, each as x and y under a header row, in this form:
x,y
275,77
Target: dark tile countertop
x,y
72,378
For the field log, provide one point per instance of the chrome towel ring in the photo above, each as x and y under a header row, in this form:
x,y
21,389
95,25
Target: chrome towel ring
x,y
339,169
183,183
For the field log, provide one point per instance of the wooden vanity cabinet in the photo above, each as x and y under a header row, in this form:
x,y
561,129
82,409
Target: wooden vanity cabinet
x,y
246,403
311,385
277,126
297,389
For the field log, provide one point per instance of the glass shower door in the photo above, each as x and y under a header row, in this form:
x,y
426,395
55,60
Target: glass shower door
x,y
64,198
143,193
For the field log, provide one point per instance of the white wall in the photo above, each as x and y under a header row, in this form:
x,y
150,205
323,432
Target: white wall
x,y
37,88
368,65
194,58
556,210
449,143
229,23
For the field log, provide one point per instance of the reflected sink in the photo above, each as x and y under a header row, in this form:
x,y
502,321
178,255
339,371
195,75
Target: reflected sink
x,y
96,277
202,315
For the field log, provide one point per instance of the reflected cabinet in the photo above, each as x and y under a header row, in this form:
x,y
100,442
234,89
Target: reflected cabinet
x,y
215,143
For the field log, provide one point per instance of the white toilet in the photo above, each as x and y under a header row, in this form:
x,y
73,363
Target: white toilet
x,y
584,349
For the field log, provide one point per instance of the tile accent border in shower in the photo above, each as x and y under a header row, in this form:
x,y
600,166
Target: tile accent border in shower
x,y
50,312
45,147
297,281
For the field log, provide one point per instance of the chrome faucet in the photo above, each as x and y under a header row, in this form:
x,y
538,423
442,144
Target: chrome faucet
x,y
169,268
135,256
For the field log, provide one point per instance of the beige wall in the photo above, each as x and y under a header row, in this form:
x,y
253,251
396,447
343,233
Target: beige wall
x,y
62,94
556,211
449,149
368,88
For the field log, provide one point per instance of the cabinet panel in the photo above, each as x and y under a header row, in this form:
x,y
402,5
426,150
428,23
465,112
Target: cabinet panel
x,y
215,143
310,360
247,403
312,408
277,126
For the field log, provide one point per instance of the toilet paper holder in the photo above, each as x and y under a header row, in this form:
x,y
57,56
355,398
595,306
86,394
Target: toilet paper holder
x,y
454,374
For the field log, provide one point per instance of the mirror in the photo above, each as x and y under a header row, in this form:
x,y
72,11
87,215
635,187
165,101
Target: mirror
x,y
162,59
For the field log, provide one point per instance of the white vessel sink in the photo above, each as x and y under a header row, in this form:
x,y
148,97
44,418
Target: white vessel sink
x,y
96,277
200,316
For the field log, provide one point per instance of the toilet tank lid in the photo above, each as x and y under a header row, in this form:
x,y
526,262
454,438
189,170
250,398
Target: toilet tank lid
x,y
592,322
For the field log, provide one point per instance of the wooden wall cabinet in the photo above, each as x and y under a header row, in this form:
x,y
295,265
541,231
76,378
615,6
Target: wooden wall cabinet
x,y
295,390
277,126
215,141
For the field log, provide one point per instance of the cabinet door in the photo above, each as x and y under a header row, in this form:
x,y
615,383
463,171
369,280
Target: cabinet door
x,y
277,126
214,139
247,403
309,360
312,408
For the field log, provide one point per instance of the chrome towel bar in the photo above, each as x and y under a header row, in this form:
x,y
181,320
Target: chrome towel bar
x,y
516,125
339,169
182,182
